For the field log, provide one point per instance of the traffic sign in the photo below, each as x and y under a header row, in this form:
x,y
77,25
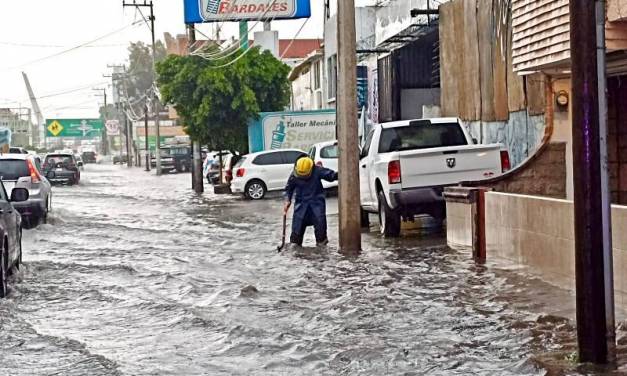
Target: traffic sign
x,y
113,127
79,128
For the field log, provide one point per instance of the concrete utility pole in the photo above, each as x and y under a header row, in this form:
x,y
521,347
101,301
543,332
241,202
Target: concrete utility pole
x,y
146,138
595,316
104,129
197,178
347,134
155,100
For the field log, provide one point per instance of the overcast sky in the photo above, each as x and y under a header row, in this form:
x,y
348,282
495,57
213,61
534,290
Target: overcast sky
x,y
32,32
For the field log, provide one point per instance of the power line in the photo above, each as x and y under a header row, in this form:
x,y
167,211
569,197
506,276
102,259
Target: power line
x,y
295,36
72,48
36,45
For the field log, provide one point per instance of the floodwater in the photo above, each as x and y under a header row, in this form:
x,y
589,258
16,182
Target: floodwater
x,y
135,275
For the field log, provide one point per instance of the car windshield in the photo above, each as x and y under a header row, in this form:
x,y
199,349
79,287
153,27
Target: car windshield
x,y
55,159
13,169
179,151
329,152
421,135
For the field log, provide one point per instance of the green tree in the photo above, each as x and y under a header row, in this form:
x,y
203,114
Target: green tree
x,y
139,77
217,101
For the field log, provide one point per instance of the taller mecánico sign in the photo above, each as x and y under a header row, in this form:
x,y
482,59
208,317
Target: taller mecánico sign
x,y
199,11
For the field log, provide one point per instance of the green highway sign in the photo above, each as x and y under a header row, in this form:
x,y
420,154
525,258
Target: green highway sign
x,y
81,128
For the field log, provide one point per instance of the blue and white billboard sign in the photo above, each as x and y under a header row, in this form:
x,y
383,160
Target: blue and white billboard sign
x,y
291,130
198,11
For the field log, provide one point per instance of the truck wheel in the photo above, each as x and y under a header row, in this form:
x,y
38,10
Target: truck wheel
x,y
389,219
365,218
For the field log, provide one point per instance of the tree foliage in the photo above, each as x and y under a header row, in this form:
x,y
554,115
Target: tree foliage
x,y
216,101
139,78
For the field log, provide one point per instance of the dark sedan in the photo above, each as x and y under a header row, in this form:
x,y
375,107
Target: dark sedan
x,y
11,231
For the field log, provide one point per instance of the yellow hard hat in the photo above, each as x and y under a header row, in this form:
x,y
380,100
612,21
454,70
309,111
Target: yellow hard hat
x,y
304,166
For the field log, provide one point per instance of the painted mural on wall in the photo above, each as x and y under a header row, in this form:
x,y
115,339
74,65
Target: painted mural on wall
x,y
521,134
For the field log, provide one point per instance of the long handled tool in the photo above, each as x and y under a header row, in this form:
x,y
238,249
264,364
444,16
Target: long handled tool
x,y
280,248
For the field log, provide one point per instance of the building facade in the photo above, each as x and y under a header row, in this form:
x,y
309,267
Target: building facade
x,y
18,121
541,43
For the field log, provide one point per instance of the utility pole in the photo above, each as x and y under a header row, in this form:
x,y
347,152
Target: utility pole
x,y
593,266
197,178
347,134
146,137
104,129
155,100
128,135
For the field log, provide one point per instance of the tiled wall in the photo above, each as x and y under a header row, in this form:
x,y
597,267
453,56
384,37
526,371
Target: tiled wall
x,y
538,233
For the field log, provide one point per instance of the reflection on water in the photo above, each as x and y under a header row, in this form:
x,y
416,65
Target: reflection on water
x,y
135,275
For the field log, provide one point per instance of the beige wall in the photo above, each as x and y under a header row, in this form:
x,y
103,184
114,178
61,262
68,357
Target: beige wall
x,y
562,131
539,233
459,224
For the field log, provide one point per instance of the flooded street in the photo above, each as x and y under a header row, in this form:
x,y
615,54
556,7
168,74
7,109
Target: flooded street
x,y
135,275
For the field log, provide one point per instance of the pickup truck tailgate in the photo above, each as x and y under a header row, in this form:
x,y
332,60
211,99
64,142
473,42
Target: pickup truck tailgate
x,y
449,165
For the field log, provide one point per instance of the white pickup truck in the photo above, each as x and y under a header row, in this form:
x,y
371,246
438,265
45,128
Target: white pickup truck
x,y
405,165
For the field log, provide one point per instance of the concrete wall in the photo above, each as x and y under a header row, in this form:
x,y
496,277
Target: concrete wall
x,y
539,233
394,17
521,134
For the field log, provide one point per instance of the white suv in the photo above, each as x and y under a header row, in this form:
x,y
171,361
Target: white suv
x,y
258,173
325,154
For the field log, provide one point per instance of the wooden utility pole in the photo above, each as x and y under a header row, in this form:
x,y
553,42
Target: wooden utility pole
x,y
594,323
197,178
347,133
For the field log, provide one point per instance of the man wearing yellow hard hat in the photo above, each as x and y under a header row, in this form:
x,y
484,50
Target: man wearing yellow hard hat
x,y
305,187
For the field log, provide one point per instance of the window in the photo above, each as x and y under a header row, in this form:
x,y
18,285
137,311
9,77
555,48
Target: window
x,y
421,135
316,75
290,157
329,152
332,77
59,158
240,163
269,159
179,151
366,149
312,153
13,169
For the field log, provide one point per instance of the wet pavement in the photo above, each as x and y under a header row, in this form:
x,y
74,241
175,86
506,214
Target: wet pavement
x,y
135,275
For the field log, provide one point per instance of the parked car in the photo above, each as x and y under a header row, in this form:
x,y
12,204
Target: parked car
x,y
61,168
120,159
167,162
182,157
258,173
405,165
24,171
325,154
79,160
89,157
17,150
11,232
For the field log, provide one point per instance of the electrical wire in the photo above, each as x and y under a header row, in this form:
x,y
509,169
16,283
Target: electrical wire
x,y
82,45
295,36
236,50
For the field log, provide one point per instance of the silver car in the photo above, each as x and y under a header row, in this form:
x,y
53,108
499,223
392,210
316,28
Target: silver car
x,y
24,171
